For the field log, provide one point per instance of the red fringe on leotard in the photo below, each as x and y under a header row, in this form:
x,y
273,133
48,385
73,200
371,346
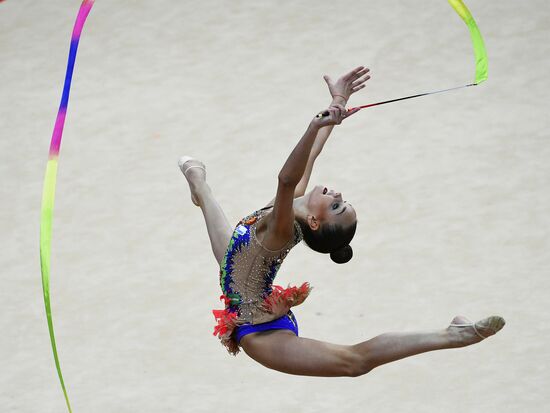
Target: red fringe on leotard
x,y
281,299
227,321
278,303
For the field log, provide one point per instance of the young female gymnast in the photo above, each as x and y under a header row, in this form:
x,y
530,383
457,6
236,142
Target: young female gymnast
x,y
257,315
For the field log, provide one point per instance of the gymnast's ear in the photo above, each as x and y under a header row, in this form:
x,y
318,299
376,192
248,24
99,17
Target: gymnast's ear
x,y
313,222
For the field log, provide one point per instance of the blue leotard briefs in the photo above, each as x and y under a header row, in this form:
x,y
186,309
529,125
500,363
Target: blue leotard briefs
x,y
286,322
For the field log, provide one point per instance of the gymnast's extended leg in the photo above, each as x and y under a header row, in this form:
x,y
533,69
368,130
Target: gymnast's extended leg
x,y
283,351
218,227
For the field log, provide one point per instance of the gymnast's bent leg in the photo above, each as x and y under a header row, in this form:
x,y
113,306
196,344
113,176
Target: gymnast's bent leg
x,y
218,227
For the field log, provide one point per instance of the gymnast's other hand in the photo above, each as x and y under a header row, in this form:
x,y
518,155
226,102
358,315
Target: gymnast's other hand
x,y
334,115
348,84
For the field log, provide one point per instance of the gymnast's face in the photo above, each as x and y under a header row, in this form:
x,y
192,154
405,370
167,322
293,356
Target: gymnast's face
x,y
328,206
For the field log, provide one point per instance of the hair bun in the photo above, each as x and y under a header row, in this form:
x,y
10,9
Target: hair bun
x,y
342,255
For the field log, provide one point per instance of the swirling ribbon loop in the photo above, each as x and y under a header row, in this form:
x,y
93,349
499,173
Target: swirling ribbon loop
x,y
48,193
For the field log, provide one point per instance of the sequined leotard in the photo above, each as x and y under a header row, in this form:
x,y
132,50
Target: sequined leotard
x,y
247,272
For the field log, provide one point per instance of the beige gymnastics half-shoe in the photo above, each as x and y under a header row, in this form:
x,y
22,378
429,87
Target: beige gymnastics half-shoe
x,y
491,325
184,168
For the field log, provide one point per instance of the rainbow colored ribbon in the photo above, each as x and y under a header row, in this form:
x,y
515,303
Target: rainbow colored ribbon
x,y
48,193
479,50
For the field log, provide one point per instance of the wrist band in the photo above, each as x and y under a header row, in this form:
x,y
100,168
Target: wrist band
x,y
343,97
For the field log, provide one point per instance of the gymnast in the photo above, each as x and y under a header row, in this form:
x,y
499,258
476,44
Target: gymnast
x,y
257,315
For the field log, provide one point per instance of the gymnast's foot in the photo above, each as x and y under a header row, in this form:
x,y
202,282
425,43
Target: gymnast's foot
x,y
195,173
462,332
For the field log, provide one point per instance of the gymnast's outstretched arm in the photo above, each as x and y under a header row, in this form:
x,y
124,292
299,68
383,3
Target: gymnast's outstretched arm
x,y
340,92
280,223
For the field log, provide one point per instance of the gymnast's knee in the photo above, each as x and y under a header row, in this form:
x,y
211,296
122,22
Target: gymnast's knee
x,y
355,363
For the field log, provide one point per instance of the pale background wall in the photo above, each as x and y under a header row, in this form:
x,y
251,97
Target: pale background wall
x,y
451,191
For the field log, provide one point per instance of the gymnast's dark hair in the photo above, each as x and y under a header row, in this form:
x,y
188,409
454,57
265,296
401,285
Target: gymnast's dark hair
x,y
330,238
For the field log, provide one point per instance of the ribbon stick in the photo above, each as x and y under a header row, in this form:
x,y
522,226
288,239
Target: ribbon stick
x,y
479,50
48,193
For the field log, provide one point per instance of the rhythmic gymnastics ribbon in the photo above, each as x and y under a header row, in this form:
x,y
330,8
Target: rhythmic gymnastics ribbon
x,y
48,193
479,50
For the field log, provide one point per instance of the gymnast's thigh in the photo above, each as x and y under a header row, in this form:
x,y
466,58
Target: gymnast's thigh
x,y
283,351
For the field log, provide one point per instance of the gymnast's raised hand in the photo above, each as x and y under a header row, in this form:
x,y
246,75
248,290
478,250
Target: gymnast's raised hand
x,y
349,83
